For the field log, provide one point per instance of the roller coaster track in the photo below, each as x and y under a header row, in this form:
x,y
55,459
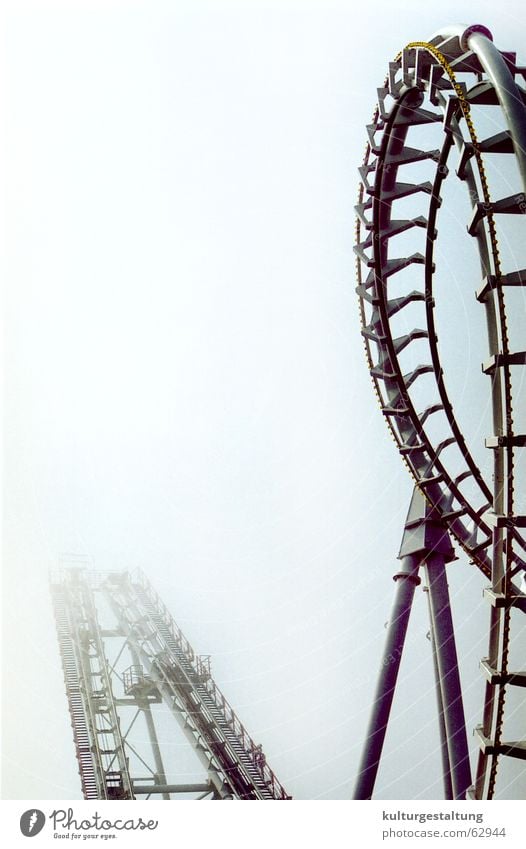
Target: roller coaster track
x,y
119,614
435,85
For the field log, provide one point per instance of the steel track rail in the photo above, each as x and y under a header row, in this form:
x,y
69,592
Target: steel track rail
x,y
428,70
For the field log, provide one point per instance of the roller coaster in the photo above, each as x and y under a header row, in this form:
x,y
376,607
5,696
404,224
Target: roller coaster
x,y
434,93
423,137
132,680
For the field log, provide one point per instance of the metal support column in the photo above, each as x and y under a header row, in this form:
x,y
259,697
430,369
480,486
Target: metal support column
x,y
425,541
448,675
144,705
406,581
446,769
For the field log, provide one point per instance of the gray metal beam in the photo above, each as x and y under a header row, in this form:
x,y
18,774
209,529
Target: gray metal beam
x,y
406,581
449,677
508,93
446,766
166,789
425,541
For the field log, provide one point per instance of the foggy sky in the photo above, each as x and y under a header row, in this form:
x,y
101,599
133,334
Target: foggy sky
x,y
185,383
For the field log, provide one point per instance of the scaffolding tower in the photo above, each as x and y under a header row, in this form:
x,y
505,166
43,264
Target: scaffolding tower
x,y
118,707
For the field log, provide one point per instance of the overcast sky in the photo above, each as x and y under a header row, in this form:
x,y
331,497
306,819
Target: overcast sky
x,y
186,389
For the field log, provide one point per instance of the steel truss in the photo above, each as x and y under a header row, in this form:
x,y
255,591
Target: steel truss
x,y
436,84
97,614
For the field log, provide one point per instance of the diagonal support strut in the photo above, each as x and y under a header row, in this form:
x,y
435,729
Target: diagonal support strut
x,y
425,542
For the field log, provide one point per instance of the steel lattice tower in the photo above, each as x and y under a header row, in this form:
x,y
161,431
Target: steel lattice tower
x,y
119,708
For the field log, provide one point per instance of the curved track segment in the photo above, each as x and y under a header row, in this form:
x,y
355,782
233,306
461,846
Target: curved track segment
x,y
434,85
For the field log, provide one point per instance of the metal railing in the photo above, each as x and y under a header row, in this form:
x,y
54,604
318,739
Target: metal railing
x,y
201,669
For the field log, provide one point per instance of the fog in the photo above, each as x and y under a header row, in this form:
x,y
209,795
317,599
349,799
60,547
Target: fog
x,y
185,382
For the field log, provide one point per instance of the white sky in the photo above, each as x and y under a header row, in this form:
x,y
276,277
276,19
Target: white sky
x,y
186,389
